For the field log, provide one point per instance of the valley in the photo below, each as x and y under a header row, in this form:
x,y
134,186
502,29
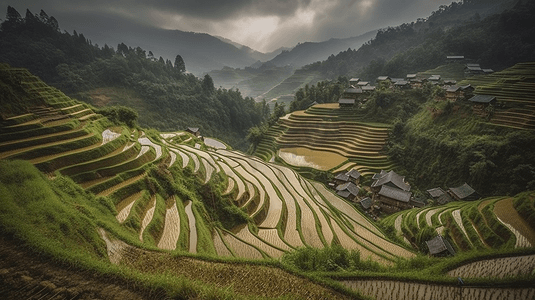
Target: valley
x,y
395,164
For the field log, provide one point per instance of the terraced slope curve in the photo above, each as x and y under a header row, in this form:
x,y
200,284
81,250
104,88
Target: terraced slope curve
x,y
490,223
333,133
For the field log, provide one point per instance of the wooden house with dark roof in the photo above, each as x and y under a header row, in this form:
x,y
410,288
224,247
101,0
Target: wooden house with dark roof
x,y
454,93
363,83
346,103
434,78
354,81
341,178
368,88
439,246
454,58
391,179
439,195
483,99
472,69
352,93
463,192
449,82
348,191
383,78
410,76
366,203
402,84
354,176
392,199
194,130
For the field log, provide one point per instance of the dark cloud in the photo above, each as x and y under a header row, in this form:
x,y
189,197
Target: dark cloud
x,y
261,24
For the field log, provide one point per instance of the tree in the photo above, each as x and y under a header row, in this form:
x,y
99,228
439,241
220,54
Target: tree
x,y
179,64
208,84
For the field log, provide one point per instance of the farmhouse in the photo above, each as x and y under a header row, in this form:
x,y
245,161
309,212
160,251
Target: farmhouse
x,y
411,76
454,58
344,102
354,81
354,176
439,195
383,78
472,69
350,176
454,93
482,101
194,130
363,83
391,199
366,203
439,246
368,88
391,179
352,93
434,78
402,84
348,191
463,192
449,82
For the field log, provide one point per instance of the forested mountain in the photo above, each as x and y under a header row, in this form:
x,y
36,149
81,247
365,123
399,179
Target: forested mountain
x,y
458,29
169,97
309,52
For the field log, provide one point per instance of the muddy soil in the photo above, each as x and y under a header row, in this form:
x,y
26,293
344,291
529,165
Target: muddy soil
x,y
27,275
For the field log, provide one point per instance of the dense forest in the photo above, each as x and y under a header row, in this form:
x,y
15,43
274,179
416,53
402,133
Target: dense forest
x,y
172,99
497,41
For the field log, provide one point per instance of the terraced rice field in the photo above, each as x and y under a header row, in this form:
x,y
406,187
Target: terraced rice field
x,y
398,290
324,137
514,88
487,223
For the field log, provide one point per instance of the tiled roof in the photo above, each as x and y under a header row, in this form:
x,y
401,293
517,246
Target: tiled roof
x,y
462,191
350,187
438,245
366,202
394,178
436,192
482,98
342,177
395,194
346,101
355,174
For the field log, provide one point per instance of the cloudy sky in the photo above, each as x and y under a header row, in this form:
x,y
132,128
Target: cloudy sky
x,y
263,25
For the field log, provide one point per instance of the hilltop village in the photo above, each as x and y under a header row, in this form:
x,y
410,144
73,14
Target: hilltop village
x,y
389,192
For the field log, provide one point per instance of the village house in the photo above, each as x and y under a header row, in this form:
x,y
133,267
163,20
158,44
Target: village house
x,y
454,58
194,130
354,81
439,196
348,191
368,88
391,179
366,203
350,176
463,192
383,78
402,84
449,82
481,102
454,93
417,82
472,69
391,199
363,83
411,77
352,93
439,246
434,79
487,71
346,103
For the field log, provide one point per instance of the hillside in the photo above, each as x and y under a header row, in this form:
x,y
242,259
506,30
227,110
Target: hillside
x,y
133,203
170,97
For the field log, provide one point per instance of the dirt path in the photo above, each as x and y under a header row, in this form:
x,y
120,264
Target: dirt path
x,y
149,213
498,267
125,206
397,290
508,215
25,274
171,229
192,228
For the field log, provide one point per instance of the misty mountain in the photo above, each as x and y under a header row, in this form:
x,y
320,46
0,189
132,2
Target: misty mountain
x,y
309,52
201,52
